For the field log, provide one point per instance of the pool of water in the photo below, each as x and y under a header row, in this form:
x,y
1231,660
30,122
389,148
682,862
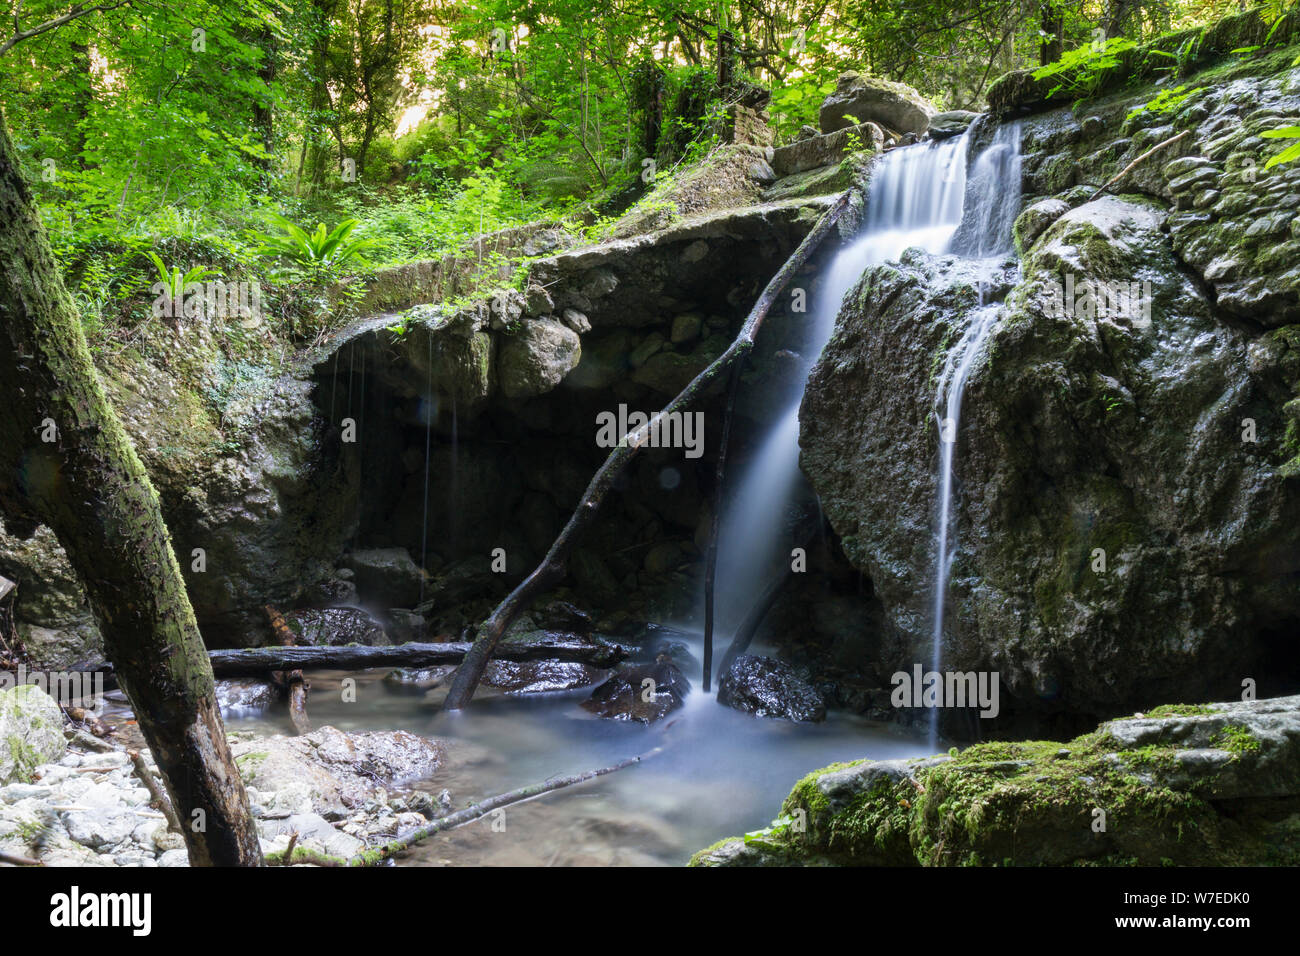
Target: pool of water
x,y
720,773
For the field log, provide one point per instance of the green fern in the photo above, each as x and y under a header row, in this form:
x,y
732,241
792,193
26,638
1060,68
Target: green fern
x,y
321,249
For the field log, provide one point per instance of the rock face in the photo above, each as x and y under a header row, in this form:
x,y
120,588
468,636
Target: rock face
x,y
769,688
31,732
894,106
50,611
1127,509
1215,785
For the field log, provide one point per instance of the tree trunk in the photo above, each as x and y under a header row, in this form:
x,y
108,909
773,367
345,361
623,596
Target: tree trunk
x,y
66,461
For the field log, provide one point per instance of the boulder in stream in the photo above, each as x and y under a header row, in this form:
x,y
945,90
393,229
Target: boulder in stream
x,y
766,687
335,626
336,771
643,692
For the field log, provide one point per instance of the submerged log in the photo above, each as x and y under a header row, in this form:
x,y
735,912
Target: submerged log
x,y
554,565
254,661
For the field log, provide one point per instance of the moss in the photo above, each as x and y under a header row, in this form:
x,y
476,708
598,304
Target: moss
x,y
1177,710
1036,803
1236,740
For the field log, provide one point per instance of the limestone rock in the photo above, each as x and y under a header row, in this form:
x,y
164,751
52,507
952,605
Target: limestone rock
x,y
894,106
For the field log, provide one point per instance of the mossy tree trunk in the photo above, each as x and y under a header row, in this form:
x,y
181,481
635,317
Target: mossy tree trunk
x,y
66,461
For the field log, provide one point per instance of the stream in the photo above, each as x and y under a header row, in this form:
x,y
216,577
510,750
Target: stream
x,y
722,772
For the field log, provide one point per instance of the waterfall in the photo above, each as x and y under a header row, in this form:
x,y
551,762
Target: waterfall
x,y
923,197
915,199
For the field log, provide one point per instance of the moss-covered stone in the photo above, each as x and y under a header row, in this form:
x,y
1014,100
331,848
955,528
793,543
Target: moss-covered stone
x,y
1107,798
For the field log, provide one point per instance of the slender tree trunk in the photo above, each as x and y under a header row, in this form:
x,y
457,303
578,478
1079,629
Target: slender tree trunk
x,y
66,461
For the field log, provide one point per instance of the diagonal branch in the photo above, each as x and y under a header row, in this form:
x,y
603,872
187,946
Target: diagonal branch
x,y
78,10
552,568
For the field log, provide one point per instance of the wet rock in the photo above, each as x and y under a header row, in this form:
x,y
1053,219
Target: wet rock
x,y
644,693
335,626
1036,218
562,616
386,577
1114,432
869,99
245,693
418,680
31,732
769,688
539,677
536,357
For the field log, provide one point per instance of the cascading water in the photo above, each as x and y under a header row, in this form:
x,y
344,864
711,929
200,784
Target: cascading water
x,y
915,200
920,196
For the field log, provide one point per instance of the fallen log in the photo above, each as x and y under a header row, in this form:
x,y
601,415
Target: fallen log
x,y
255,661
553,567
377,855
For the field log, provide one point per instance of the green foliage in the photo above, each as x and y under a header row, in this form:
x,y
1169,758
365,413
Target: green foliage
x,y
1291,153
1082,71
1166,101
321,250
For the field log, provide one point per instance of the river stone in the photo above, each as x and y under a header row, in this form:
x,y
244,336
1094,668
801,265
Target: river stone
x,y
99,827
826,149
1080,436
769,688
335,626
245,693
341,770
417,680
31,732
624,695
538,677
535,358
870,99
386,577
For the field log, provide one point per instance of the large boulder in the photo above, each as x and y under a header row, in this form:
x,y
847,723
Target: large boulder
x,y
894,106
31,732
643,693
50,611
1212,785
536,358
1127,520
334,771
769,688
